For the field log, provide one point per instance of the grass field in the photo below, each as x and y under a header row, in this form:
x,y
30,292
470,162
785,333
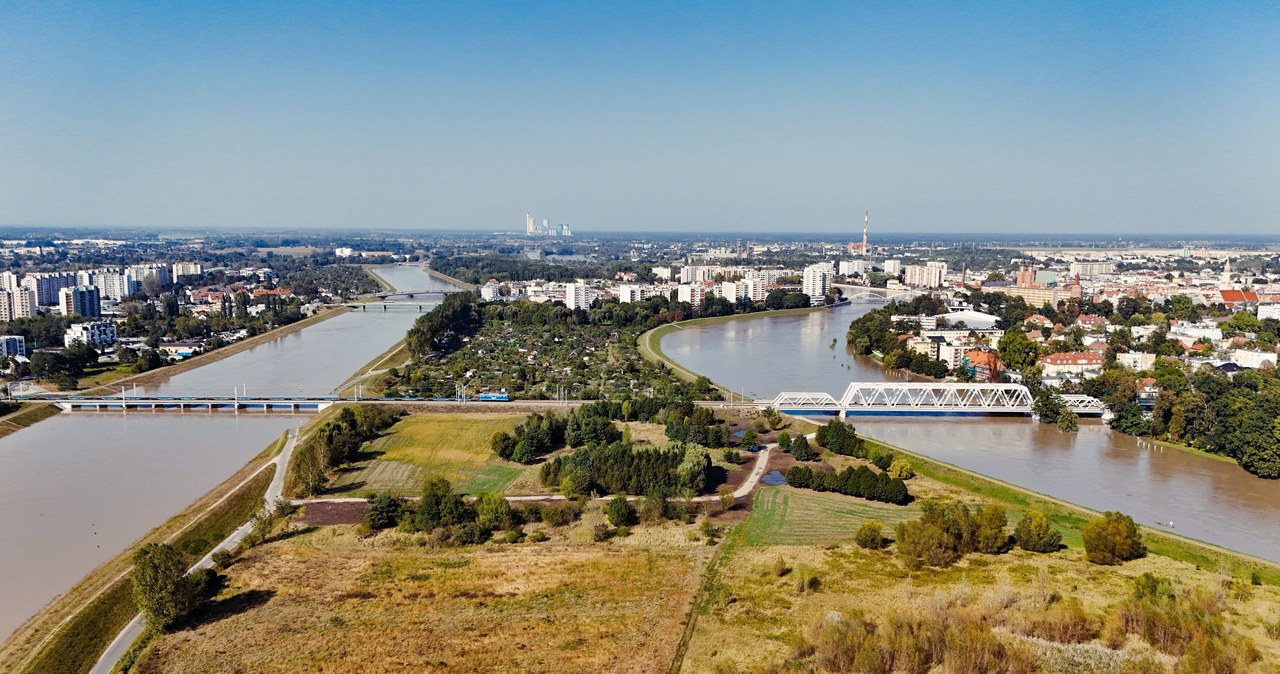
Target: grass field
x,y
344,604
784,516
452,446
27,414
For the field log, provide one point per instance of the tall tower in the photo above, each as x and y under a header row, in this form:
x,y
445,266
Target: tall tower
x,y
528,224
866,220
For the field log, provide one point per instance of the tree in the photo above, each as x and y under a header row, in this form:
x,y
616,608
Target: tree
x,y
1113,539
869,535
1033,533
620,512
991,537
1017,351
162,589
784,441
749,439
439,506
900,468
384,511
493,513
1068,421
801,450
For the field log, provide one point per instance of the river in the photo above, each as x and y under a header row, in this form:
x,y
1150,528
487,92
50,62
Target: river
x,y
1207,499
78,488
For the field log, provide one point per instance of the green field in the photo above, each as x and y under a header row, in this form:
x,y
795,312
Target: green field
x,y
783,516
452,446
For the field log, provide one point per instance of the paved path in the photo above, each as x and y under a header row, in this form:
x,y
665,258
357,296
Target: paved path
x,y
120,645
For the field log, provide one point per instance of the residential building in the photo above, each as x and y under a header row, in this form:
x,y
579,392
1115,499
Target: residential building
x,y
663,273
181,269
116,285
755,289
923,276
13,345
1136,360
578,295
1269,311
94,333
344,251
1092,268
693,294
17,303
733,290
1253,359
851,267
893,267
140,272
47,284
82,300
1073,362
815,282
983,364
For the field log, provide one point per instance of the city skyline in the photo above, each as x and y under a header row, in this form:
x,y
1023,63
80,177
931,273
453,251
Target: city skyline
x,y
1037,120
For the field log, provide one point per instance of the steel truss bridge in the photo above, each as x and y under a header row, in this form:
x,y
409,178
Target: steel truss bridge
x,y
924,397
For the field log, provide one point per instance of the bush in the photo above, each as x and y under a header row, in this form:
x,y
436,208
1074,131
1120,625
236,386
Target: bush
x,y
870,535
223,558
900,469
384,511
1034,533
162,589
601,532
946,532
1064,622
620,512
493,513
732,456
784,441
538,537
469,533
560,515
801,450
991,537
1113,539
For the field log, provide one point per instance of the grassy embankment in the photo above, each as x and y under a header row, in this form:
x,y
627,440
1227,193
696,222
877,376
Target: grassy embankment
x,y
449,279
69,634
26,415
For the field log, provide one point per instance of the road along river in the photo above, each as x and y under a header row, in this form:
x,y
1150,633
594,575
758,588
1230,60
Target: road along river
x,y
1211,500
78,488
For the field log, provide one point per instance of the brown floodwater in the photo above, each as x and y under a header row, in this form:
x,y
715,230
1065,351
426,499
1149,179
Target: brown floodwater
x,y
1207,499
78,488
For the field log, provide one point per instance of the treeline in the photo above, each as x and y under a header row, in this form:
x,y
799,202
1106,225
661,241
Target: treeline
x,y
452,520
479,269
700,428
861,482
343,280
441,330
337,442
1232,415
623,468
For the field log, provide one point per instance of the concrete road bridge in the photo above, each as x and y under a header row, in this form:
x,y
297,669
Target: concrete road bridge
x,y
867,292
925,398
412,294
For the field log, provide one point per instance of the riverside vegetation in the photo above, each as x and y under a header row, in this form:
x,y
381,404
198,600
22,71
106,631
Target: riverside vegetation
x,y
963,578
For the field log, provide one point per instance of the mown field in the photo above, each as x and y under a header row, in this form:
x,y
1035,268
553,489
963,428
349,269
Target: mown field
x,y
328,601
453,446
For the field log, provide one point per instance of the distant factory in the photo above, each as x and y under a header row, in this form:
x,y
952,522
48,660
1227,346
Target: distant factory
x,y
544,228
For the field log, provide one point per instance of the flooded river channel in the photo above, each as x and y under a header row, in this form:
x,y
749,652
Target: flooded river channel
x,y
1208,499
78,488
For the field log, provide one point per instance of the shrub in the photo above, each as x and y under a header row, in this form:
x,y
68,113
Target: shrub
x,y
732,456
223,558
494,513
1064,622
1113,539
781,569
514,536
384,511
537,537
469,533
784,441
870,535
991,537
620,512
1033,533
900,469
801,450
560,515
601,532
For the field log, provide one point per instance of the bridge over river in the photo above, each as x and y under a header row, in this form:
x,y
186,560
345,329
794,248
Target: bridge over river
x,y
926,398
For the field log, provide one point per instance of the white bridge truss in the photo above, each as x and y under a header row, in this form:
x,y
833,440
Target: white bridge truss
x,y
927,397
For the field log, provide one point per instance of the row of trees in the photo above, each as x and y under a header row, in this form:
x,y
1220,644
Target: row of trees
x,y
861,482
337,442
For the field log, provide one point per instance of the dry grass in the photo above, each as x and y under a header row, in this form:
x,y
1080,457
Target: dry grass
x,y
329,601
654,434
453,446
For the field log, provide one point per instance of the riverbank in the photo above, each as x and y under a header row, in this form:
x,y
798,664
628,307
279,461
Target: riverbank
x,y
449,279
27,415
161,375
650,342
69,633
1071,518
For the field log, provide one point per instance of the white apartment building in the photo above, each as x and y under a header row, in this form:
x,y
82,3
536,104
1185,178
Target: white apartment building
x,y
693,294
1268,311
893,267
755,289
851,267
117,286
663,273
47,284
1092,268
17,303
697,273
141,271
924,276
340,252
1253,359
13,345
733,290
578,295
94,333
1136,360
9,281
816,281
181,269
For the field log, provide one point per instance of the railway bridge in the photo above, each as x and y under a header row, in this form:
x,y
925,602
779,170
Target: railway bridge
x,y
925,398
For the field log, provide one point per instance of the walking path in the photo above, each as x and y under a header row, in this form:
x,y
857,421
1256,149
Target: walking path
x,y
123,641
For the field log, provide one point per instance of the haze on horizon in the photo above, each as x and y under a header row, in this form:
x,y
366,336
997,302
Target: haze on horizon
x,y
1041,118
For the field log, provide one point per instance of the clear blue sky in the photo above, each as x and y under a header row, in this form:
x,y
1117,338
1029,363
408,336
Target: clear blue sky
x,y
1031,117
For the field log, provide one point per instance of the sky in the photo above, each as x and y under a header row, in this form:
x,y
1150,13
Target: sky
x,y
962,118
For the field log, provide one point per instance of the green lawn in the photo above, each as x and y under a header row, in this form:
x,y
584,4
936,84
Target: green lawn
x,y
783,516
452,446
